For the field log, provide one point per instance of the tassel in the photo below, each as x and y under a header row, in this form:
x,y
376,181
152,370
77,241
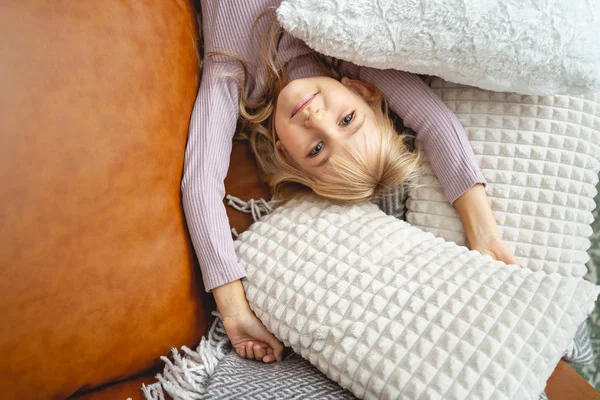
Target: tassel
x,y
257,208
185,377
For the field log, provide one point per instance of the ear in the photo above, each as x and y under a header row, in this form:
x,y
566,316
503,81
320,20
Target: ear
x,y
280,147
364,89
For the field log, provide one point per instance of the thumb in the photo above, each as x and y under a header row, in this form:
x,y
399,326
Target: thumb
x,y
259,332
272,341
503,254
508,258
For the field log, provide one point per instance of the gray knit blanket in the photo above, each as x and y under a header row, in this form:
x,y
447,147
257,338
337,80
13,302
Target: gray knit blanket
x,y
214,371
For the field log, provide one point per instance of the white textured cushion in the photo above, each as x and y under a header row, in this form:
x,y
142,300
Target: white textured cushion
x,y
526,46
389,311
541,158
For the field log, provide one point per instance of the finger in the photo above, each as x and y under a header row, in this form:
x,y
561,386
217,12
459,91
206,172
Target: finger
x,y
270,357
276,345
278,352
259,352
249,352
241,351
508,257
510,260
266,337
264,345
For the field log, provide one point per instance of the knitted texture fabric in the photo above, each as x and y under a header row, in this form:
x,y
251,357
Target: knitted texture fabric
x,y
541,157
387,310
291,378
214,371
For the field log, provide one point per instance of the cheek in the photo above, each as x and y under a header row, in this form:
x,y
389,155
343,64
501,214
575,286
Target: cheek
x,y
283,129
277,123
291,140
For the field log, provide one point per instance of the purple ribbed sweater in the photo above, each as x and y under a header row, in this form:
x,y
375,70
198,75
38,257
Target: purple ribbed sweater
x,y
227,26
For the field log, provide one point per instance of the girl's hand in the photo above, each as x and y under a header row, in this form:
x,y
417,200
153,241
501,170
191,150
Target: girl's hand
x,y
480,225
248,335
251,339
495,247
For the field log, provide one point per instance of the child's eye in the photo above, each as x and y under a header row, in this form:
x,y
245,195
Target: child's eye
x,y
316,150
347,119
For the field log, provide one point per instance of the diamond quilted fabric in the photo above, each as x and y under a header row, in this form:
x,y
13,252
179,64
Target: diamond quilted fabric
x,y
541,158
390,311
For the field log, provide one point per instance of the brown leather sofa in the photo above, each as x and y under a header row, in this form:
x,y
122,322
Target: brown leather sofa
x,y
98,276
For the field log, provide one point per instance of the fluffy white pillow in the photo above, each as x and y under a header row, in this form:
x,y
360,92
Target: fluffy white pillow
x,y
541,158
526,46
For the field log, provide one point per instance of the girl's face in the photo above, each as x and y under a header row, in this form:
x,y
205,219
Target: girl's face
x,y
319,117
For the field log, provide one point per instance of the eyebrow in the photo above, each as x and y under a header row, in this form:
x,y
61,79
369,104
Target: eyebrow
x,y
359,125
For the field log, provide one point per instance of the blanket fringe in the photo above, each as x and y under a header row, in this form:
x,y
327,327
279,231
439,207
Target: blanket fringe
x,y
258,208
186,376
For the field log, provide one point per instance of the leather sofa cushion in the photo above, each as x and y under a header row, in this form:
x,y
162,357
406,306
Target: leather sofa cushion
x,y
98,277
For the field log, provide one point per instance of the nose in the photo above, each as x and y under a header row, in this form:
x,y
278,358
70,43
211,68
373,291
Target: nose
x,y
314,118
319,120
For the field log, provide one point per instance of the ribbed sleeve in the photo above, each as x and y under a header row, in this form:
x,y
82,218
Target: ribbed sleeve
x,y
444,138
226,27
207,155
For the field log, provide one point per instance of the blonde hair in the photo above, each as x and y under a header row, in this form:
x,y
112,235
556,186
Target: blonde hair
x,y
352,181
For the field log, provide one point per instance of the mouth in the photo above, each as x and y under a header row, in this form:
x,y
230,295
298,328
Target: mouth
x,y
303,103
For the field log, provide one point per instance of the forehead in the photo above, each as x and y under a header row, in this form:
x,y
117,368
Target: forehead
x,y
366,141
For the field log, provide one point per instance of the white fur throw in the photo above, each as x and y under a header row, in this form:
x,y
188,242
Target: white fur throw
x,y
389,311
537,47
541,158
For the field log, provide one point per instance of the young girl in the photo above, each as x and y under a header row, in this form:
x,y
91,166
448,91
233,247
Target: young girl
x,y
312,131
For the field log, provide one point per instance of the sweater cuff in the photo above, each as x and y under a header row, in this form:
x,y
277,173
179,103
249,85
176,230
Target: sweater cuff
x,y
227,273
461,183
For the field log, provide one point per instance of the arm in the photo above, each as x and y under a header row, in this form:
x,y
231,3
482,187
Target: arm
x,y
212,127
437,127
451,156
207,155
480,225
